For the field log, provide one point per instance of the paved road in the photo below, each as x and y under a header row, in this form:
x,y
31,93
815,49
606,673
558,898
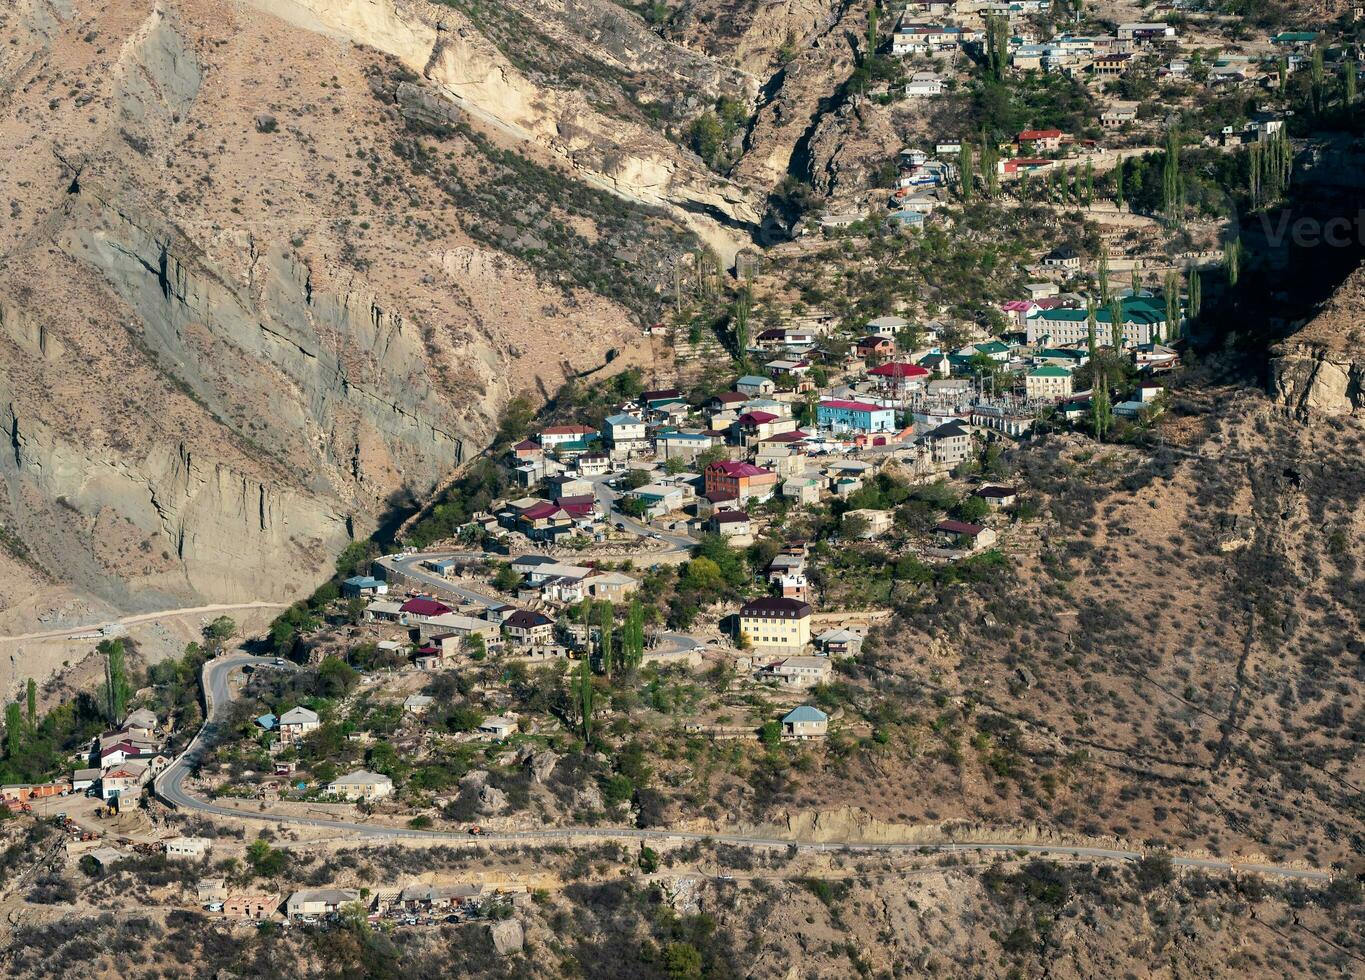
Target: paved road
x,y
218,702
608,497
411,566
73,631
169,786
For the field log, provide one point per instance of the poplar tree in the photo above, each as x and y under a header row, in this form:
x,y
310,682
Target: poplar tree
x,y
1195,291
990,157
1100,414
1318,82
740,318
32,692
1091,328
606,620
1172,189
966,174
1116,323
14,731
633,636
585,693
116,686
1118,185
1089,183
1172,306
1232,261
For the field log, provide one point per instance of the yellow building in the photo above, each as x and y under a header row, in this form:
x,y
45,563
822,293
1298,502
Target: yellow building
x,y
1048,382
776,624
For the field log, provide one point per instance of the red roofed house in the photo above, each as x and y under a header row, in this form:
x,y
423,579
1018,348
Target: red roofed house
x,y
1025,165
955,533
897,374
528,449
421,608
1019,310
1046,140
744,480
544,521
554,435
753,426
578,506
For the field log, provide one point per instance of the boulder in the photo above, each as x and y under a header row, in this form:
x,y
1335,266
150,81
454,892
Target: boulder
x,y
507,936
492,800
542,764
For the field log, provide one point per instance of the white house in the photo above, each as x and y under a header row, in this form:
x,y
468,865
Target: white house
x,y
315,902
361,785
187,847
298,722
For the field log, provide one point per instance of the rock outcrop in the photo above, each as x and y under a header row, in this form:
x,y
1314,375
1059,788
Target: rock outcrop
x,y
627,158
1321,369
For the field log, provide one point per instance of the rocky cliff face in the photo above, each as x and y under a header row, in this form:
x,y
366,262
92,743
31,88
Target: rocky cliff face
x,y
234,325
463,61
1321,369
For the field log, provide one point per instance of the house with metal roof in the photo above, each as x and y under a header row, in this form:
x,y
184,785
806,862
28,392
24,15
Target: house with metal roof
x,y
805,722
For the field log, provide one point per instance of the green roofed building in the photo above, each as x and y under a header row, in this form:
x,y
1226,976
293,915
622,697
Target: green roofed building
x,y
1144,322
1294,38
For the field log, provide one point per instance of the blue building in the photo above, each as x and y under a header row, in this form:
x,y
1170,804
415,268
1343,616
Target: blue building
x,y
860,416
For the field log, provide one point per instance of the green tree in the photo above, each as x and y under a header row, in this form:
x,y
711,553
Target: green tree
x,y
1118,184
770,733
633,636
1172,291
872,39
990,164
683,961
1101,415
31,696
1091,329
337,677
1116,323
15,735
1232,261
506,579
967,177
584,697
117,687
1194,292
606,622
1318,85
264,860
740,320
1172,183
971,508
217,633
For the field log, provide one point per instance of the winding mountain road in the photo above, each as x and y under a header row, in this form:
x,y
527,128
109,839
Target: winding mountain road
x,y
74,632
169,786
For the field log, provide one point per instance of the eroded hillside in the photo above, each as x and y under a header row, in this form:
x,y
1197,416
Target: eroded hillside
x,y
238,319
